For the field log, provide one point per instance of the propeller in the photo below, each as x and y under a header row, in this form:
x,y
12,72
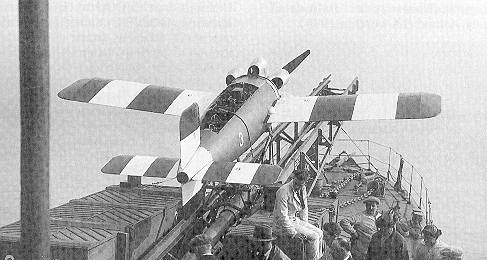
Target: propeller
x,y
292,65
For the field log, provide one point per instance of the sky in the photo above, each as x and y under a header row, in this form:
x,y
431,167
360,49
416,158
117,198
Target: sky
x,y
392,46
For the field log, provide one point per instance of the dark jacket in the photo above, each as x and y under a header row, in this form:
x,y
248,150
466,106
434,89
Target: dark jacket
x,y
394,248
208,257
276,254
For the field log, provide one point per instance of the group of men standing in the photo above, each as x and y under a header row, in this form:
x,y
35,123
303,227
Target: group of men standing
x,y
372,236
379,237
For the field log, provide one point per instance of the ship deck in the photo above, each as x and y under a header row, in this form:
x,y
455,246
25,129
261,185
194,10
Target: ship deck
x,y
322,209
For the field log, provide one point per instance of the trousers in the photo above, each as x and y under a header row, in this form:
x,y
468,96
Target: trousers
x,y
314,238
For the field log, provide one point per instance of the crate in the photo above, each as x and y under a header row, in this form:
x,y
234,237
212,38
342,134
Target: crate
x,y
113,224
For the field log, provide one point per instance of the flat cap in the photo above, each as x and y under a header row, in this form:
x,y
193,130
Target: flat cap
x,y
371,199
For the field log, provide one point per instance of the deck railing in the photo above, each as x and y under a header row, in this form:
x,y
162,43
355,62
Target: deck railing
x,y
387,162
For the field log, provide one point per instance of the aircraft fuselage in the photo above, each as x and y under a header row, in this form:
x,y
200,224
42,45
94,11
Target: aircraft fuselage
x,y
247,125
243,127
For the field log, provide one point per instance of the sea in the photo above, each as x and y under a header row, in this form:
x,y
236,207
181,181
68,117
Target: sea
x,y
391,46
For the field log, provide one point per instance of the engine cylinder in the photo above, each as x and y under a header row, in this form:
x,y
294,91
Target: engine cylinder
x,y
233,74
258,67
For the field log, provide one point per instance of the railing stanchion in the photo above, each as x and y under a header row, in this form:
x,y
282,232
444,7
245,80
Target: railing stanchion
x,y
389,165
426,207
421,193
410,184
429,210
368,151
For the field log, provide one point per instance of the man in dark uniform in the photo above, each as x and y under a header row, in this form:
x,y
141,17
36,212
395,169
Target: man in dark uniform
x,y
263,248
387,243
331,231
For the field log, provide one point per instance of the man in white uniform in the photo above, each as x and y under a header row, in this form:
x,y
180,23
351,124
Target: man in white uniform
x,y
291,215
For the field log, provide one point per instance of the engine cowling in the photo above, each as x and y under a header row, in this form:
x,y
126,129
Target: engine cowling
x,y
280,79
258,67
233,74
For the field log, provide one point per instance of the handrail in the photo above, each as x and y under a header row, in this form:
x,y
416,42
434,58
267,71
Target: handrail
x,y
412,180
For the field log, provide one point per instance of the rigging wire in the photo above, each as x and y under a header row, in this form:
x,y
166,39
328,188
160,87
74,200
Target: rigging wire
x,y
355,144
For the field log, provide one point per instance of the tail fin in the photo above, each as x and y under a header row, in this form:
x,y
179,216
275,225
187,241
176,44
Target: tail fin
x,y
189,133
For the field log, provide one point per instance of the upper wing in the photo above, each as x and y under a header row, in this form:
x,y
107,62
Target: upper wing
x,y
133,95
356,107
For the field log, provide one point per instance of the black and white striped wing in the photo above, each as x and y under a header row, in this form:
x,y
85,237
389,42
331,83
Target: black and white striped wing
x,y
137,96
356,107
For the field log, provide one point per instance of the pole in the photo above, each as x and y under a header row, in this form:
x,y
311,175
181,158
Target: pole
x,y
426,206
411,184
368,151
389,165
421,193
271,152
296,134
278,149
34,121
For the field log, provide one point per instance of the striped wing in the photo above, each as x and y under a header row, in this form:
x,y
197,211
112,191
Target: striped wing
x,y
356,107
133,95
161,167
146,166
242,173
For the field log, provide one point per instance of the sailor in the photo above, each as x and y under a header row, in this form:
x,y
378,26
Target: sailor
x,y
263,248
387,243
433,248
290,215
411,231
361,227
331,231
200,246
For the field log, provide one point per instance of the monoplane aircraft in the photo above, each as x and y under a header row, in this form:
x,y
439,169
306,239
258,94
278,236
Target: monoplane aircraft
x,y
215,129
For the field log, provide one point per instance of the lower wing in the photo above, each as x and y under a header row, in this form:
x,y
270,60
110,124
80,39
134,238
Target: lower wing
x,y
162,167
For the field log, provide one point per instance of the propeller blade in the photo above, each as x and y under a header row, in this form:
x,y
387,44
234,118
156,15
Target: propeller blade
x,y
292,65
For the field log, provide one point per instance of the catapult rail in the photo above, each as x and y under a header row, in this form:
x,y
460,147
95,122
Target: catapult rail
x,y
283,149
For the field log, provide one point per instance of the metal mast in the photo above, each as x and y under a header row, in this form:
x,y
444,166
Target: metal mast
x,y
34,120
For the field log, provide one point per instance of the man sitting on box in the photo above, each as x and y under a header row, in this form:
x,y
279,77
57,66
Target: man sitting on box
x,y
290,215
